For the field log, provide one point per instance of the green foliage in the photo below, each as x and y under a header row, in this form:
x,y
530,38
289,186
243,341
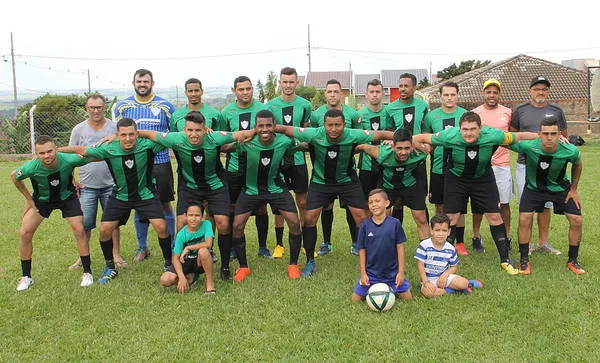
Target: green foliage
x,y
423,83
465,66
17,135
271,86
306,92
318,99
261,91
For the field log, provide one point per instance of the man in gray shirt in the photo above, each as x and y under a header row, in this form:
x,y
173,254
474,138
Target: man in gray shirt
x,y
95,182
527,117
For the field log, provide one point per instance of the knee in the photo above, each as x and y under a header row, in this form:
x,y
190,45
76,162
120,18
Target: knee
x,y
168,279
428,291
576,221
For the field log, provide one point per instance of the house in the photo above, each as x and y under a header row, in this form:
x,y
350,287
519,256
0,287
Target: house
x,y
569,86
390,79
360,87
319,80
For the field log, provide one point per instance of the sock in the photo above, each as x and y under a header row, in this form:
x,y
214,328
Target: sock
x,y
141,231
573,252
309,235
499,236
262,229
107,247
524,252
165,246
26,267
460,234
279,235
86,262
398,213
239,244
170,219
295,244
224,249
452,235
449,290
351,226
326,224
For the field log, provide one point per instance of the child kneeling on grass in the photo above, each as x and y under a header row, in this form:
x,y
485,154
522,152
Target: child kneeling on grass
x,y
191,256
381,250
437,262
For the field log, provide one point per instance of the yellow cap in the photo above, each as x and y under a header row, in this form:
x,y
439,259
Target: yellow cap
x,y
492,82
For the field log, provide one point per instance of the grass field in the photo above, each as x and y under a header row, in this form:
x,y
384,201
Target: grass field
x,y
551,315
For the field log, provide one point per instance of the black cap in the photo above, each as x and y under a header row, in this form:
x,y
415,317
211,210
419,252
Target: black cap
x,y
539,79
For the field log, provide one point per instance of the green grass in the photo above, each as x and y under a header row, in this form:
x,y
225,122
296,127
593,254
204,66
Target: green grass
x,y
551,315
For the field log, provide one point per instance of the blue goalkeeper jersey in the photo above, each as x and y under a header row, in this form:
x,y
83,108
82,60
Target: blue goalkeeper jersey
x,y
153,115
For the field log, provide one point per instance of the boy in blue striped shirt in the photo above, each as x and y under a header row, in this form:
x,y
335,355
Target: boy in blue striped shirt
x,y
437,263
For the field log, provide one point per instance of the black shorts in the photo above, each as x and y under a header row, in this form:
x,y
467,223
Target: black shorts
x,y
412,197
163,174
189,266
218,200
296,178
69,207
235,183
278,201
421,176
534,201
482,191
370,179
118,210
436,188
320,195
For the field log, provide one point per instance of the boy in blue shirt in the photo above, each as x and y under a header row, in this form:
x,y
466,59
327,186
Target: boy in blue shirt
x,y
381,250
190,254
437,262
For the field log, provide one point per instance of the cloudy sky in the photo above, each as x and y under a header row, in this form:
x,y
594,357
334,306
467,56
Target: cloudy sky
x,y
57,42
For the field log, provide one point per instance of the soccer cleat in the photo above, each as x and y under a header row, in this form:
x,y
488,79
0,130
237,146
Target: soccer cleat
x,y
509,268
264,252
475,284
531,248
86,280
278,251
141,254
213,255
325,249
525,268
547,248
226,275
478,244
24,283
77,264
241,273
461,250
293,272
309,269
168,264
108,275
354,249
572,265
304,252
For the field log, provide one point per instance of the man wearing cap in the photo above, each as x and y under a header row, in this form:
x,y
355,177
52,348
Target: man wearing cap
x,y
527,117
493,114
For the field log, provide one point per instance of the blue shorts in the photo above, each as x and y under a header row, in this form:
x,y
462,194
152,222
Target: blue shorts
x,y
362,290
89,198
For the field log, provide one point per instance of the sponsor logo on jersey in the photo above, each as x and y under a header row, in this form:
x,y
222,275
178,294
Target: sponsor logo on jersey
x,y
54,182
198,159
399,168
370,234
544,165
129,163
332,154
265,161
472,154
155,111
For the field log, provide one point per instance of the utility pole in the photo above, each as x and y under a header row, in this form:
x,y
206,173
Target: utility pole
x,y
12,53
309,60
89,83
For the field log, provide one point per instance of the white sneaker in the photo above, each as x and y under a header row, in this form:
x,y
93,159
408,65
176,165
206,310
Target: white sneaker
x,y
87,279
547,248
24,283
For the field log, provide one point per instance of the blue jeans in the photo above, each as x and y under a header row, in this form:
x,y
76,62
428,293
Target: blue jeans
x,y
89,198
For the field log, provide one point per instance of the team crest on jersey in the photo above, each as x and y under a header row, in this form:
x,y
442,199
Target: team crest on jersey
x,y
472,154
287,119
408,117
375,125
223,133
19,172
244,124
332,154
55,182
198,158
129,163
265,161
544,165
155,110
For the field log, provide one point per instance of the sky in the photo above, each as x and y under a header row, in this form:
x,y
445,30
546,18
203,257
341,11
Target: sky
x,y
57,42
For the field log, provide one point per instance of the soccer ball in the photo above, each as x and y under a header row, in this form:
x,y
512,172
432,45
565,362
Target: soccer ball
x,y
380,297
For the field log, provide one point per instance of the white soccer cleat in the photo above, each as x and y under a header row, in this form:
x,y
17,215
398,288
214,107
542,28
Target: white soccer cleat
x,y
24,283
87,279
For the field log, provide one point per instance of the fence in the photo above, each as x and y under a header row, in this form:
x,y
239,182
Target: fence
x,y
17,136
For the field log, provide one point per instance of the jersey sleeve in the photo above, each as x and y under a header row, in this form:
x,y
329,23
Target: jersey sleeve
x,y
224,124
155,146
562,120
421,253
362,136
361,238
179,241
454,259
399,233
206,228
76,159
222,137
384,153
306,114
97,151
74,138
440,138
356,120
24,171
518,146
168,139
509,138
217,122
118,111
427,124
304,134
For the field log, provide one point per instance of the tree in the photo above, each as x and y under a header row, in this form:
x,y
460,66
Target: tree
x,y
306,92
424,83
318,99
271,86
465,66
261,91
